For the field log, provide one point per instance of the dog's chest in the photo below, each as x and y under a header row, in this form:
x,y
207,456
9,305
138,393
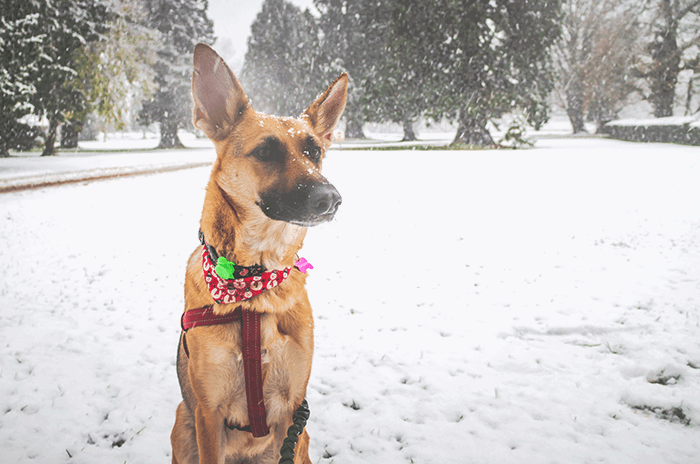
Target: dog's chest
x,y
286,365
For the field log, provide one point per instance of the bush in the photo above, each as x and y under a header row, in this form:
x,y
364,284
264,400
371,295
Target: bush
x,y
20,137
683,131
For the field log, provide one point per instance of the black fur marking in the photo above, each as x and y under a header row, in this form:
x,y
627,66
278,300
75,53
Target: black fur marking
x,y
270,150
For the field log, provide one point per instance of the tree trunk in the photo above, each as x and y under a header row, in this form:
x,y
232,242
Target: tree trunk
x,y
574,105
353,128
49,145
664,77
689,96
666,59
168,136
408,134
70,132
472,131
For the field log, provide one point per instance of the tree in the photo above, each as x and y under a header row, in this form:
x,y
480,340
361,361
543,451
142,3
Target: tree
x,y
594,58
491,57
609,75
354,37
116,73
20,48
68,26
395,87
181,24
675,27
49,35
281,73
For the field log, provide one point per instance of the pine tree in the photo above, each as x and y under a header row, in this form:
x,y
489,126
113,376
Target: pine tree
x,y
68,25
493,57
42,63
354,41
280,73
406,65
20,49
182,24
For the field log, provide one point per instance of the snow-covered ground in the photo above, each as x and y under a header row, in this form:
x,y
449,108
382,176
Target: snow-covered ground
x,y
535,306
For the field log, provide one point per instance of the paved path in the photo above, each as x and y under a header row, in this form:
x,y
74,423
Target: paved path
x,y
33,171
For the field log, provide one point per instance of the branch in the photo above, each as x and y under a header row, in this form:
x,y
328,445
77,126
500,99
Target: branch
x,y
687,10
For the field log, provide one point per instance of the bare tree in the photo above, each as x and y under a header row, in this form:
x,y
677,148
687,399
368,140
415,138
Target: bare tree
x,y
594,58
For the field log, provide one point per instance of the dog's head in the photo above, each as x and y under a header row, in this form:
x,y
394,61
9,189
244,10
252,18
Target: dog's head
x,y
267,165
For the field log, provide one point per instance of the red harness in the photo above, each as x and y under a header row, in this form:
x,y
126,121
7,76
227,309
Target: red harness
x,y
230,291
252,358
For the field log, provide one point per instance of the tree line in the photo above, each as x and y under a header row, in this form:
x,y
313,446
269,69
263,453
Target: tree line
x,y
471,61
113,63
117,61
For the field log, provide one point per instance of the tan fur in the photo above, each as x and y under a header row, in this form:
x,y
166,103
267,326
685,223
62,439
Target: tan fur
x,y
212,378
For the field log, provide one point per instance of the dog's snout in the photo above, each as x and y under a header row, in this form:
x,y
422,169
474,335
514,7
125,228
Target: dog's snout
x,y
324,199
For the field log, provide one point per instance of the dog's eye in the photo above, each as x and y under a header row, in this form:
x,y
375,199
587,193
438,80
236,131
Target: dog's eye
x,y
314,153
267,153
263,154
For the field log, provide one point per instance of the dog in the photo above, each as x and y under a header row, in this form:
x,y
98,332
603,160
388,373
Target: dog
x,y
265,190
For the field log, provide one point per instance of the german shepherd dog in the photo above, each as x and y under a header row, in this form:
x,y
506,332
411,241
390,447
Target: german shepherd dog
x,y
265,190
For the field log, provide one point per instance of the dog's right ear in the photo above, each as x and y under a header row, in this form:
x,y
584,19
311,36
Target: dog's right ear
x,y
219,100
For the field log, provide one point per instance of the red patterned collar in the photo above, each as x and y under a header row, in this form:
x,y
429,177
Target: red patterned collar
x,y
243,287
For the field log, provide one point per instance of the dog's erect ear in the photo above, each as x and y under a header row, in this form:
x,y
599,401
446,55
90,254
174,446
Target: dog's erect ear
x,y
325,112
219,100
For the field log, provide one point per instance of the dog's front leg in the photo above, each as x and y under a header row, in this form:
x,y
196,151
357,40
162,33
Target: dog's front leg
x,y
302,449
210,435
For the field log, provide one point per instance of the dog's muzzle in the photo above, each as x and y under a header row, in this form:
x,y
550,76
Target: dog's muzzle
x,y
306,205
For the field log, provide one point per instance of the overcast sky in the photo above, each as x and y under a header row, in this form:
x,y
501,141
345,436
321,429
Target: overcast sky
x,y
232,20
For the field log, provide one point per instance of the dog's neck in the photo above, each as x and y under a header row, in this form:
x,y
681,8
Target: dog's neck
x,y
246,236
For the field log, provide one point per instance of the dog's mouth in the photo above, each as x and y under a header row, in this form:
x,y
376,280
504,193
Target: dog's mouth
x,y
307,205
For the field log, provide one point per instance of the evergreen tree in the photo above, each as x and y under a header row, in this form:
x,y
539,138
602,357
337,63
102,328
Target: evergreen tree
x,y
492,57
182,24
354,40
68,25
465,60
20,48
281,73
44,77
399,86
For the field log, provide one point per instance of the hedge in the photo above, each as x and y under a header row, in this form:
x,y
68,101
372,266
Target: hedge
x,y
685,131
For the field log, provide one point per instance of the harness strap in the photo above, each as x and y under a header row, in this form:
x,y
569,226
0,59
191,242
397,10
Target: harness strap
x,y
252,356
204,316
252,365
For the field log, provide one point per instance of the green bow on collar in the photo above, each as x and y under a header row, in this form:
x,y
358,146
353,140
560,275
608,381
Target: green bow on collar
x,y
224,268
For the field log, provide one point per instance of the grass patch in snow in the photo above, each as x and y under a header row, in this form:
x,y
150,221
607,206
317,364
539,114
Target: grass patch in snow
x,y
674,414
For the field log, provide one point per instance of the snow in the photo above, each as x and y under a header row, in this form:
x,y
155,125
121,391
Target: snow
x,y
536,306
104,158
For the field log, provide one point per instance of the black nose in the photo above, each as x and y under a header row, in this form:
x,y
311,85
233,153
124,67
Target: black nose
x,y
324,199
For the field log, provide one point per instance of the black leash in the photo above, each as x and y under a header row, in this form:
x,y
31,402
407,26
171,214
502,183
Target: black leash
x,y
300,417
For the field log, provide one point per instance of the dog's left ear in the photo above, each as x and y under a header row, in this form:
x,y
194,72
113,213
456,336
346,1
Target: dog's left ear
x,y
325,112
